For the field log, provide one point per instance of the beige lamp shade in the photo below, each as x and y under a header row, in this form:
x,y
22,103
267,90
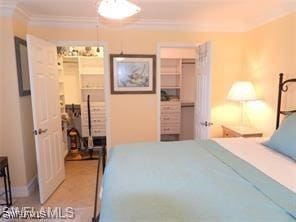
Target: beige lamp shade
x,y
117,9
242,91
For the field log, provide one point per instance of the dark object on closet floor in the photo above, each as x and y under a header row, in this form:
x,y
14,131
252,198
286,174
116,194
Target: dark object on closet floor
x,y
98,152
4,172
283,87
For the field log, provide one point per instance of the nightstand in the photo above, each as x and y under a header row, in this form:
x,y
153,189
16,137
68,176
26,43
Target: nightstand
x,y
240,131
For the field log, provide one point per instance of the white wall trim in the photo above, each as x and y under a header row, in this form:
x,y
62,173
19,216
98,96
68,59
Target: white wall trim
x,y
87,22
107,96
63,21
79,43
6,11
66,153
33,185
90,22
158,95
24,191
7,7
21,14
185,26
266,19
27,190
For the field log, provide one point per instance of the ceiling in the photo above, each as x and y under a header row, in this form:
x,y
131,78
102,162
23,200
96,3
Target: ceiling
x,y
210,15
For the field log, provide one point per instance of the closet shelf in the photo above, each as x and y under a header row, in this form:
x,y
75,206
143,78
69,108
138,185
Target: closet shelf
x,y
187,104
91,77
91,88
171,87
170,73
92,74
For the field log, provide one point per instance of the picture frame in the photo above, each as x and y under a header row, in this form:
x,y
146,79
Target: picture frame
x,y
22,65
133,74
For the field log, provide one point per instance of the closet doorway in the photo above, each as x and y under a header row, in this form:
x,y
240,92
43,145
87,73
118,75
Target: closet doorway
x,y
82,99
184,76
64,76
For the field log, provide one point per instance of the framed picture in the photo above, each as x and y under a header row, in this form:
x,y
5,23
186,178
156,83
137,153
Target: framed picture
x,y
22,66
133,74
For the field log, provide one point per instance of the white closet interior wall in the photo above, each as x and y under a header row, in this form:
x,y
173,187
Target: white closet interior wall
x,y
71,81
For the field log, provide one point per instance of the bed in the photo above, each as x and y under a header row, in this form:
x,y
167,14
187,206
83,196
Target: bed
x,y
227,179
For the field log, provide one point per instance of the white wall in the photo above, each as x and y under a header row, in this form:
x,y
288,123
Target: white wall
x,y
71,83
1,90
20,30
16,125
269,50
11,129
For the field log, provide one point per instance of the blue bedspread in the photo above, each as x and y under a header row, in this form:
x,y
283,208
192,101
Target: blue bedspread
x,y
189,181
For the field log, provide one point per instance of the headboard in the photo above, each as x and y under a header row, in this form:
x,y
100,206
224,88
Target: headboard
x,y
283,87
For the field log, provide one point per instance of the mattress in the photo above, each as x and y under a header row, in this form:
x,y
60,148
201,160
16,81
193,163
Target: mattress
x,y
191,181
277,166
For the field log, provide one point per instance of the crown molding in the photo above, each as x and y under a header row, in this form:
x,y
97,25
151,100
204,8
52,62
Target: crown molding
x,y
269,18
185,26
90,22
63,21
7,7
10,7
21,14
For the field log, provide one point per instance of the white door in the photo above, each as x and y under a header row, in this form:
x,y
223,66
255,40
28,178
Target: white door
x,y
202,110
42,59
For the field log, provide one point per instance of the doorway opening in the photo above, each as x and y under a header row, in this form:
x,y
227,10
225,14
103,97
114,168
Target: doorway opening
x,y
184,78
82,100
68,85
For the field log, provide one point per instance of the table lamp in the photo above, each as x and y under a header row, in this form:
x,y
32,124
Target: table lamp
x,y
242,91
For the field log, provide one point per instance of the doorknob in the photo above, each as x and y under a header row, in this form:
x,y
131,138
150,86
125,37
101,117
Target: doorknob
x,y
206,123
40,131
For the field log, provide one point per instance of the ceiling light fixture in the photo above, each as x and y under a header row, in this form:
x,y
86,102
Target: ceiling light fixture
x,y
117,9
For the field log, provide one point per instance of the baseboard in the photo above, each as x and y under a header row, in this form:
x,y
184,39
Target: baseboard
x,y
33,185
24,191
65,153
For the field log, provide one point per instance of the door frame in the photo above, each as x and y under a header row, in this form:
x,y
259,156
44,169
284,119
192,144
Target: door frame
x,y
106,78
161,45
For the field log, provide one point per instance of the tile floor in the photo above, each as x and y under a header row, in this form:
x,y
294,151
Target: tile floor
x,y
77,191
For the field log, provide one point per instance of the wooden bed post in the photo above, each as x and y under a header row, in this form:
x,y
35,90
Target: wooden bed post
x,y
278,113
